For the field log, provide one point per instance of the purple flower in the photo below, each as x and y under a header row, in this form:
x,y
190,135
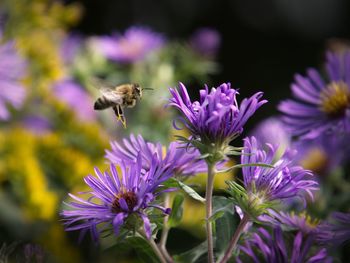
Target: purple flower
x,y
206,41
320,154
12,70
291,221
216,118
272,131
266,247
70,47
320,105
324,153
134,45
336,231
72,94
284,181
37,124
183,161
117,197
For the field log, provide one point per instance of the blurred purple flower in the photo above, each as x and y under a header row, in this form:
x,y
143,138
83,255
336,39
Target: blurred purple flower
x,y
216,118
206,41
266,247
70,47
72,94
324,153
336,231
133,46
272,131
321,154
37,124
301,222
283,182
114,198
320,106
12,70
34,253
183,161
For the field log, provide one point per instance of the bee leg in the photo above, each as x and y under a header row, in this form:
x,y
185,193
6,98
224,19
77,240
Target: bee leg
x,y
118,110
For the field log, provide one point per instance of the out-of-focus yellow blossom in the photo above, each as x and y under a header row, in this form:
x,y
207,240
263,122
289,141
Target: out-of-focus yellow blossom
x,y
24,172
43,14
42,51
38,28
56,243
315,160
63,162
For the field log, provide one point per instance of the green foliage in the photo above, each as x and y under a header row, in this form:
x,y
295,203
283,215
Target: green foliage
x,y
196,254
176,211
225,224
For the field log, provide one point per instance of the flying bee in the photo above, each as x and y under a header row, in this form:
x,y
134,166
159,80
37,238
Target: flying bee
x,y
119,97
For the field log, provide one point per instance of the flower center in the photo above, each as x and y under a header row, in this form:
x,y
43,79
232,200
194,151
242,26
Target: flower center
x,y
130,199
335,99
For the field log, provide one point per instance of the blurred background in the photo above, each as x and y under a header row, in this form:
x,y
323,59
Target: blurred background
x,y
51,137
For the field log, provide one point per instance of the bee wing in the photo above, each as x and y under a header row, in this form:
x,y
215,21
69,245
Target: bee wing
x,y
118,110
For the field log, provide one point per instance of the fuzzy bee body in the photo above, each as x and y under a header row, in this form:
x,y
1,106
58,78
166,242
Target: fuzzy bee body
x,y
119,97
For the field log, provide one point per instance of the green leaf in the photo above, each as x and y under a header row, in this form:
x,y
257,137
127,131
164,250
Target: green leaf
x,y
190,191
192,255
225,225
216,216
143,249
176,211
173,182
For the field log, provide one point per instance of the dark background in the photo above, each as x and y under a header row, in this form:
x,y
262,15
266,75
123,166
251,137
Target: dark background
x,y
264,43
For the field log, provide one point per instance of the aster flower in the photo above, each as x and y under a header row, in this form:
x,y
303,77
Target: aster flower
x,y
116,198
206,41
266,247
183,161
264,186
133,46
216,119
336,231
291,221
12,70
320,105
72,94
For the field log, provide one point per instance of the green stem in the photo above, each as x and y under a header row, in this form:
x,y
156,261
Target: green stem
x,y
235,238
165,231
209,210
154,247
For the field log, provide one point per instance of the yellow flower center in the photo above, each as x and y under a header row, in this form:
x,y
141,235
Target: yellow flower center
x,y
130,199
335,99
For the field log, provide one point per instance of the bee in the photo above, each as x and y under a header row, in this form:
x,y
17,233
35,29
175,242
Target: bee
x,y
118,98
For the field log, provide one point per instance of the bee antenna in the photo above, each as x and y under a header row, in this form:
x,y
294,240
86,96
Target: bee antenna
x,y
147,89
